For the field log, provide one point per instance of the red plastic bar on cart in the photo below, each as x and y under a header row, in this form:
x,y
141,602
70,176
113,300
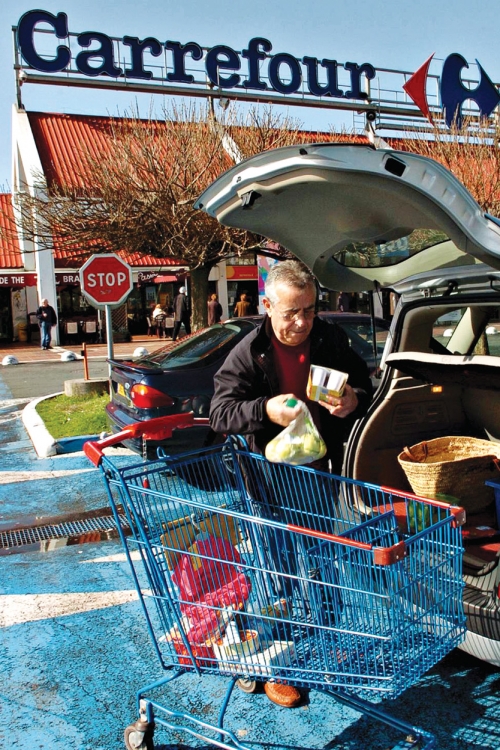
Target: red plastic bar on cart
x,y
455,510
381,555
160,428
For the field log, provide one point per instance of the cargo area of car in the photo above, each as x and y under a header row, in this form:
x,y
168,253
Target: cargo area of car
x,y
429,396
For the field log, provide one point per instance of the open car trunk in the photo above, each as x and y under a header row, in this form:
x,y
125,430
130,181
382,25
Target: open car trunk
x,y
429,396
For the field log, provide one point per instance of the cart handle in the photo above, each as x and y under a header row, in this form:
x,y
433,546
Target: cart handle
x,y
455,510
159,428
381,555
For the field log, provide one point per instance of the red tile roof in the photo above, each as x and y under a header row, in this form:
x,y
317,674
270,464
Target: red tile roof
x,y
64,142
10,252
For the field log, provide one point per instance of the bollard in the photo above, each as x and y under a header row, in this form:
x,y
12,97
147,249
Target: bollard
x,y
85,362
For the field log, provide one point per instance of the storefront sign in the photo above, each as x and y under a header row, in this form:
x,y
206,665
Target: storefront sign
x,y
453,92
21,279
241,273
146,276
224,67
68,278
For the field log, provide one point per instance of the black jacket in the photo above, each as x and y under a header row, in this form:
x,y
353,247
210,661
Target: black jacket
x,y
181,307
46,314
248,378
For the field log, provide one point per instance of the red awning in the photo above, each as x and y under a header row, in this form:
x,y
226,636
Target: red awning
x,y
164,279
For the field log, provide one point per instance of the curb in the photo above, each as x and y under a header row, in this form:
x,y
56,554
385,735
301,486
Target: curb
x,y
43,442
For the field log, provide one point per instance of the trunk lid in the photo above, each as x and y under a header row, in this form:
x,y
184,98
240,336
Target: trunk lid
x,y
358,217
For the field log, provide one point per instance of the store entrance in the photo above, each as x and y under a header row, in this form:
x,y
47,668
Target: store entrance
x,y
5,315
236,288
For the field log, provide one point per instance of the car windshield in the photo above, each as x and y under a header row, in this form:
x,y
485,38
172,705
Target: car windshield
x,y
203,349
376,254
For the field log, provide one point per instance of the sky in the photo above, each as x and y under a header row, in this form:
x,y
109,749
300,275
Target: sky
x,y
393,34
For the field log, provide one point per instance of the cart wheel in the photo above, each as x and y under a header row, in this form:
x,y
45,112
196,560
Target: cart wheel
x,y
246,685
138,740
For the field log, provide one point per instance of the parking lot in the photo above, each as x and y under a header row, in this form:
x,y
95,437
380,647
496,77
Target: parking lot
x,y
74,647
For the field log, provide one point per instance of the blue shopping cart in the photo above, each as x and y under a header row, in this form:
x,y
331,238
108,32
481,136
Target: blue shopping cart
x,y
259,571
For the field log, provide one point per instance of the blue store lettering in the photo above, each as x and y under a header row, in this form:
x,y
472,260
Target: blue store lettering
x,y
286,74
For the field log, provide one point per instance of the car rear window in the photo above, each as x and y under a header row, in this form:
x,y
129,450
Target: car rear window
x,y
203,349
390,252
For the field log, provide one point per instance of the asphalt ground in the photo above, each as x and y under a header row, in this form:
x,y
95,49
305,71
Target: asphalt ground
x,y
74,647
41,373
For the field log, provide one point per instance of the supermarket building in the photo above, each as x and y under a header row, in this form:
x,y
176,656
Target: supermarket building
x,y
48,143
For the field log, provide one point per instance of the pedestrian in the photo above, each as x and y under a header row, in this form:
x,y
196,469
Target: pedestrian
x,y
169,319
269,367
214,310
243,307
181,313
159,320
46,316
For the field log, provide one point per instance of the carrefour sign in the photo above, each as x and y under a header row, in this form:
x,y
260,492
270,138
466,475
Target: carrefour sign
x,y
454,94
254,68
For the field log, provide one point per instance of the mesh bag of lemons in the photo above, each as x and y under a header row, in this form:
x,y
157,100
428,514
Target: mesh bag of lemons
x,y
298,444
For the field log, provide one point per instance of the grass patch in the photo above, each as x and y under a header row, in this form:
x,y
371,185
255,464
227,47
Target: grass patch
x,y
70,416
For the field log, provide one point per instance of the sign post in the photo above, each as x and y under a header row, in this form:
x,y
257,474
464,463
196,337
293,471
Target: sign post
x,y
106,281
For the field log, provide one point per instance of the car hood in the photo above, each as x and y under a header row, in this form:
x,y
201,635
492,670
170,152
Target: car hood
x,y
357,216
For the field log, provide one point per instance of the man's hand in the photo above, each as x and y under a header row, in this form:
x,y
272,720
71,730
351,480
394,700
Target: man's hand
x,y
279,413
341,406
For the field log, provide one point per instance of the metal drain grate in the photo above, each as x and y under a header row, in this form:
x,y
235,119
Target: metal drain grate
x,y
75,531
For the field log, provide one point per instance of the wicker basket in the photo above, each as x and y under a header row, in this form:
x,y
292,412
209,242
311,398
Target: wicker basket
x,y
456,466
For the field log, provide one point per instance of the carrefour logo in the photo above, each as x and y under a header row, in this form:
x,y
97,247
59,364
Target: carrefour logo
x,y
224,67
452,91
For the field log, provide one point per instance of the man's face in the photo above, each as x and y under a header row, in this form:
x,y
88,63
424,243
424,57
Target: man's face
x,y
293,314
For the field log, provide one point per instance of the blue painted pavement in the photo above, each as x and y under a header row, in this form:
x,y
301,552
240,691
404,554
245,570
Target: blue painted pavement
x,y
74,648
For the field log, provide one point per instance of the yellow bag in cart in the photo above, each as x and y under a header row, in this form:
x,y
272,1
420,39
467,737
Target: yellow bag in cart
x,y
299,443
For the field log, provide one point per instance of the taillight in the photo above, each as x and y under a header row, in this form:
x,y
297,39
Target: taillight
x,y
145,397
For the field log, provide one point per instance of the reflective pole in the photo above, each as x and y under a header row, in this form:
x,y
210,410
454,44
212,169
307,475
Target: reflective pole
x,y
109,335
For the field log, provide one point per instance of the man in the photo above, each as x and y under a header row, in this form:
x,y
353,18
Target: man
x,y
181,313
159,320
47,318
271,365
214,310
243,307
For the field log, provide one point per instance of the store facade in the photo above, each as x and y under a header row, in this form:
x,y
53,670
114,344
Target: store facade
x,y
47,51
47,144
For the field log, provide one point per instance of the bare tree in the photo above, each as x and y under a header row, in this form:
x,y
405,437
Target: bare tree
x,y
135,195
471,152
133,191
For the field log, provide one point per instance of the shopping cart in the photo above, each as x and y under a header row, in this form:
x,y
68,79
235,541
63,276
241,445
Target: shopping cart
x,y
259,571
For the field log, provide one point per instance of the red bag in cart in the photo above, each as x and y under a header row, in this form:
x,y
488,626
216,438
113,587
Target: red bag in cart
x,y
206,581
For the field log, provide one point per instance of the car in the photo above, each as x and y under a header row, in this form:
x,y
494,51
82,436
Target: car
x,y
365,218
179,380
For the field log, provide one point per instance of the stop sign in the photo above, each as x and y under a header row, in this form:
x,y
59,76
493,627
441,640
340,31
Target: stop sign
x,y
106,280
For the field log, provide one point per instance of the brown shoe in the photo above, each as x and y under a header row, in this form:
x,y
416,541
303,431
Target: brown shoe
x,y
282,694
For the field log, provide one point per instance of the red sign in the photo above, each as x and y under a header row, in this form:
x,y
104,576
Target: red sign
x,y
241,273
106,280
18,279
67,278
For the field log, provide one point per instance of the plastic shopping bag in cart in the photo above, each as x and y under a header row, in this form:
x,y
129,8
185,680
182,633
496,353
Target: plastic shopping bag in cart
x,y
299,443
208,586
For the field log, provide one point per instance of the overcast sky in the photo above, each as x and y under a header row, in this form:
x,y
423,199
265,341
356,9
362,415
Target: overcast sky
x,y
399,34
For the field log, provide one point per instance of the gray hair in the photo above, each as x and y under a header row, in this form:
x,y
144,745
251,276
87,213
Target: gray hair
x,y
289,272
